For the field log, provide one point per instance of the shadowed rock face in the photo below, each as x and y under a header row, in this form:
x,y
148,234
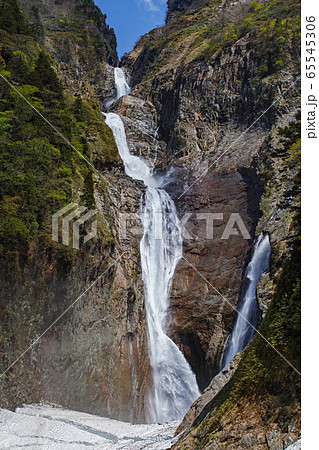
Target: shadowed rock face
x,y
201,114
201,318
206,106
76,35
185,113
95,358
175,7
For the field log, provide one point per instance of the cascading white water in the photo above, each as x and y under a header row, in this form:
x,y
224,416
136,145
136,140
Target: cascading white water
x,y
174,383
248,312
134,167
122,88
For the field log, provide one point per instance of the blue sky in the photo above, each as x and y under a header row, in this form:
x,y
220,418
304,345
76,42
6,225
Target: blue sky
x,y
132,18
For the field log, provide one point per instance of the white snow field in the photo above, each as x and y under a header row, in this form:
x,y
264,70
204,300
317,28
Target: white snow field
x,y
55,428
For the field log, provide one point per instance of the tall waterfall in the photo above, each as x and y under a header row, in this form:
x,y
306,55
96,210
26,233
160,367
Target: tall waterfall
x,y
174,383
248,311
175,387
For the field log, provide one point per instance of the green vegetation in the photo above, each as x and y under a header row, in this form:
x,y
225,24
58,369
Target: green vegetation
x,y
273,27
263,376
79,22
290,138
40,173
11,18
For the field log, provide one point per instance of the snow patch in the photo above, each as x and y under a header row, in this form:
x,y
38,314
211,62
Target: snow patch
x,y
55,428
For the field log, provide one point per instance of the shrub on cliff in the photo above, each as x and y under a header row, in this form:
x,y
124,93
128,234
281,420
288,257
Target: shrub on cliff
x,y
40,173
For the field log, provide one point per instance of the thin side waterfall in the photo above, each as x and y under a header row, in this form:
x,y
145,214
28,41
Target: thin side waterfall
x,y
174,383
248,312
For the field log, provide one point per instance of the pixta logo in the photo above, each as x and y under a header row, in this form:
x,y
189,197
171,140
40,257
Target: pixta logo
x,y
71,221
232,225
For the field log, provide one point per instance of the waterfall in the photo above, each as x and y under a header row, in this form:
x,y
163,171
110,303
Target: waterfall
x,y
174,383
248,311
175,387
122,88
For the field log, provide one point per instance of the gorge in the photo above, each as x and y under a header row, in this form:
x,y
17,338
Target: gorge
x,y
201,119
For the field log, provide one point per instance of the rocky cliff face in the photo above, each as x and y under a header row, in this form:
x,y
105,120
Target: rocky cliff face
x,y
212,91
175,7
208,87
75,33
259,406
222,80
95,357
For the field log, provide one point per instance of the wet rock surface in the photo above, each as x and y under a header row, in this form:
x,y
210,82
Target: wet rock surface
x,y
196,117
95,358
202,403
219,119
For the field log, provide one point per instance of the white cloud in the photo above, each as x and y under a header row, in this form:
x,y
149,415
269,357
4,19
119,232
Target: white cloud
x,y
148,4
